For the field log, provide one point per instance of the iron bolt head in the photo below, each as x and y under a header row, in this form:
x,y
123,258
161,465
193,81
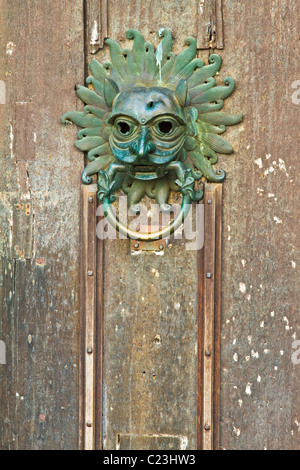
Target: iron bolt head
x,y
207,427
90,199
209,201
89,350
136,245
208,275
207,353
161,247
89,424
90,273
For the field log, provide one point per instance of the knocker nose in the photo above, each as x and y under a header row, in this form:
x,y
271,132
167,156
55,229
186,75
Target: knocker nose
x,y
141,146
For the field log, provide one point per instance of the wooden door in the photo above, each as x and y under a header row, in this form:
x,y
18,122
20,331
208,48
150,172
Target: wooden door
x,y
148,351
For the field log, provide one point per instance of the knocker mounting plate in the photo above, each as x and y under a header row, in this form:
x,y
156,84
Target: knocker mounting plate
x,y
152,123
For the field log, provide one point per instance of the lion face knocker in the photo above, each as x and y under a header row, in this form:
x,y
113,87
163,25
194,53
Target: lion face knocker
x,y
151,124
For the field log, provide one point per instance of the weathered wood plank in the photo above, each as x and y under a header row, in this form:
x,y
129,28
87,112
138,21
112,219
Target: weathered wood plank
x,y
39,166
203,20
39,409
22,228
210,24
25,131
40,308
96,24
150,343
181,17
260,280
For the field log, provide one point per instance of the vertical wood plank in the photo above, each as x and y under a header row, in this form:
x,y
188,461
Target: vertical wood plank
x,y
22,228
260,279
25,131
201,19
150,346
219,38
42,61
96,24
210,24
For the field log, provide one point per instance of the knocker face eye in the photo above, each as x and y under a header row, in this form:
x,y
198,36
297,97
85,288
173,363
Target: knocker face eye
x,y
167,128
154,141
164,128
124,128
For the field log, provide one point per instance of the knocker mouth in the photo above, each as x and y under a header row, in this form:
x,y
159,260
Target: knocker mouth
x,y
146,171
147,161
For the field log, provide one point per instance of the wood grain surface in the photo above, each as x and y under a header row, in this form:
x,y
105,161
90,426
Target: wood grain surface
x,y
44,49
41,61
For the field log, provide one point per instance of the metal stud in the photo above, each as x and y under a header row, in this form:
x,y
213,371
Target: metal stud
x,y
90,273
208,275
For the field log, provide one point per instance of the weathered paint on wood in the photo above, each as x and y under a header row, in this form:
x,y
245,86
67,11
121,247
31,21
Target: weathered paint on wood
x,y
41,61
260,401
210,24
40,65
207,337
96,15
22,230
150,343
201,19
260,283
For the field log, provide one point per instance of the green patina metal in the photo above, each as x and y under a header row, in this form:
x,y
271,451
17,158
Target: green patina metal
x,y
152,120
